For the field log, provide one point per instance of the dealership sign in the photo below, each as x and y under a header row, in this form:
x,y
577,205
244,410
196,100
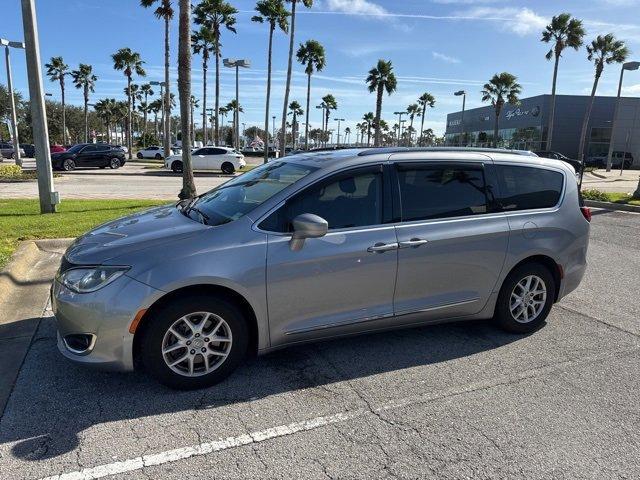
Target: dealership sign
x,y
455,123
519,112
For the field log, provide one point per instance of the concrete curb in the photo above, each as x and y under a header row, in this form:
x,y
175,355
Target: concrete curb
x,y
612,206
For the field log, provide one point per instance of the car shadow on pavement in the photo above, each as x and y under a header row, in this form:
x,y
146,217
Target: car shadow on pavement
x,y
61,399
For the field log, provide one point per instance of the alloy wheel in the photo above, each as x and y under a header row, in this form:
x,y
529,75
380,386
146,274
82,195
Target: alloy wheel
x,y
197,344
528,299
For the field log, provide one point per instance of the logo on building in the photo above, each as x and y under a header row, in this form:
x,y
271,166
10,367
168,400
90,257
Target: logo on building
x,y
455,123
519,112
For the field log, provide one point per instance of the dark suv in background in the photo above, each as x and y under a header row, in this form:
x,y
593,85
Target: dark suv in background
x,y
89,155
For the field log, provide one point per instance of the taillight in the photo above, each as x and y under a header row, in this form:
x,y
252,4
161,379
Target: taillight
x,y
586,213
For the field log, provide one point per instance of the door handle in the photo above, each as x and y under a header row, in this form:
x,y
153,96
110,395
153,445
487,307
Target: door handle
x,y
413,243
382,247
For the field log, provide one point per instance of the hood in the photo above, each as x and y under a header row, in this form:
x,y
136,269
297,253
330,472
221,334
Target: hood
x,y
146,229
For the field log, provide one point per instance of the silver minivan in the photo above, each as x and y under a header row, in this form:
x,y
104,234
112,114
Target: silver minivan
x,y
321,245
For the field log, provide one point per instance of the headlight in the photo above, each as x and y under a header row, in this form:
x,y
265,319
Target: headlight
x,y
86,280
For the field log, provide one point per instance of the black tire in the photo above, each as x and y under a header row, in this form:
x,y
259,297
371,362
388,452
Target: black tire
x,y
228,168
158,156
139,156
160,322
176,166
114,163
68,165
503,315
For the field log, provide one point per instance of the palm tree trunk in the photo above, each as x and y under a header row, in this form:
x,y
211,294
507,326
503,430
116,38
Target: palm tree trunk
x,y
129,143
86,113
108,123
552,107
326,124
216,132
306,127
266,111
204,99
289,69
144,127
410,130
167,95
585,121
424,112
64,113
376,141
184,91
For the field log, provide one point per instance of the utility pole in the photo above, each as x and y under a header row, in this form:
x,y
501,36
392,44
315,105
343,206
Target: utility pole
x,y
338,120
48,197
14,118
399,123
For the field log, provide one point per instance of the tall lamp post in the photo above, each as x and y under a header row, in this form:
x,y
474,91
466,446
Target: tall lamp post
x,y
48,197
463,94
399,123
625,66
162,114
14,117
338,120
237,63
324,127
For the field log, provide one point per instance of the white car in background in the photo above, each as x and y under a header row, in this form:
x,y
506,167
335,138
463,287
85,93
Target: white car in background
x,y
210,158
153,151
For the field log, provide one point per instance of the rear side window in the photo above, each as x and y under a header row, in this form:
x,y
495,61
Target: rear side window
x,y
441,192
524,188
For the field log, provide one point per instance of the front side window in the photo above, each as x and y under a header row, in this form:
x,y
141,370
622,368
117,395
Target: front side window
x,y
524,188
441,192
349,200
236,198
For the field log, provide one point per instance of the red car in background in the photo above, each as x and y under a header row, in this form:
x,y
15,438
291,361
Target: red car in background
x,y
57,149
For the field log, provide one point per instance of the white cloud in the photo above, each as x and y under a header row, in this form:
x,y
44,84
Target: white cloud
x,y
445,58
356,7
521,21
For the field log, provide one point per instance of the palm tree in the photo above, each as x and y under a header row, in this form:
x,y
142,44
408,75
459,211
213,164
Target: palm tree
x,y
224,111
368,120
414,111
129,62
165,12
311,55
295,110
275,14
287,88
381,78
604,49
195,104
233,106
347,134
145,90
105,109
84,78
564,32
425,100
56,71
500,89
330,103
215,14
135,96
156,107
428,136
184,93
202,42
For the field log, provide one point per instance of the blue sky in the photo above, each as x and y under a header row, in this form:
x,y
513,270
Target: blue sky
x,y
437,46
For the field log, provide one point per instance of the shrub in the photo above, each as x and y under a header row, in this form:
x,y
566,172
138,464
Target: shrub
x,y
10,171
593,194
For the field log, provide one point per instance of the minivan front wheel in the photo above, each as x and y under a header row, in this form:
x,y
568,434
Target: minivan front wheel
x,y
194,342
525,299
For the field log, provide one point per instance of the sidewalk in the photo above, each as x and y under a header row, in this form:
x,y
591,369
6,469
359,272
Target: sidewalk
x,y
611,181
24,287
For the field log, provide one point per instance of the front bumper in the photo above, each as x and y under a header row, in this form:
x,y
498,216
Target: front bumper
x,y
105,314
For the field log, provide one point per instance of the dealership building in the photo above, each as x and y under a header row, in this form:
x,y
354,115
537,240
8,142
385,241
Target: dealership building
x,y
525,126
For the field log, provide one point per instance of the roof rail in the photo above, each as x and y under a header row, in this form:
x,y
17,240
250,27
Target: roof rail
x,y
390,150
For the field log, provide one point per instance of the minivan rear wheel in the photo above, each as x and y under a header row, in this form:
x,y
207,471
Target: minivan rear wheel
x,y
194,342
525,299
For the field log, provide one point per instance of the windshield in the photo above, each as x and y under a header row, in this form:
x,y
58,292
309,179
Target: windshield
x,y
75,149
239,196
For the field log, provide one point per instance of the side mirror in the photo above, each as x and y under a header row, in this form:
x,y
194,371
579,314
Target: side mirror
x,y
306,226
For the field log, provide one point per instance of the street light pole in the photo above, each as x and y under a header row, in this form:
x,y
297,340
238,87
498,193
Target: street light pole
x,y
399,123
233,63
625,66
464,98
338,120
48,197
12,101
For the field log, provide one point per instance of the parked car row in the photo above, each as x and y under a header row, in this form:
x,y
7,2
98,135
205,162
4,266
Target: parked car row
x,y
600,161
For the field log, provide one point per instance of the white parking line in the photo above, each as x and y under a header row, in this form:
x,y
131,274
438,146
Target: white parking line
x,y
169,456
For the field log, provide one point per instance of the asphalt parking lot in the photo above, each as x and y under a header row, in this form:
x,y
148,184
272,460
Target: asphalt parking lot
x,y
448,401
